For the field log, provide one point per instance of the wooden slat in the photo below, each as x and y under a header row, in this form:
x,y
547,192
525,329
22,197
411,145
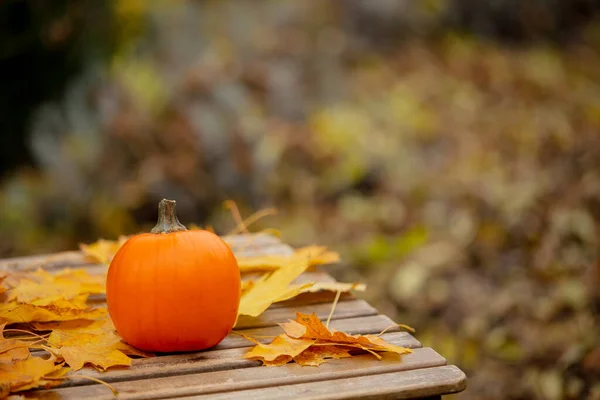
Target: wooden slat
x,y
198,362
46,261
417,383
274,316
255,377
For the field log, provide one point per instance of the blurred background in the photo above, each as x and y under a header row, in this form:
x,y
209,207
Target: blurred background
x,y
449,149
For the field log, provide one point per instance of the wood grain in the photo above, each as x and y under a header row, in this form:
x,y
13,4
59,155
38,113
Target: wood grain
x,y
254,377
198,362
417,383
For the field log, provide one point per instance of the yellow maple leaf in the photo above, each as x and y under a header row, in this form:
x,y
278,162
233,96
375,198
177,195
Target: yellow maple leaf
x,y
12,349
316,255
96,343
271,288
29,373
308,342
43,288
102,251
13,312
280,351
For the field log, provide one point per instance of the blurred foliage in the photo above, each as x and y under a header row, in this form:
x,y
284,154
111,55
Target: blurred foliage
x,y
458,176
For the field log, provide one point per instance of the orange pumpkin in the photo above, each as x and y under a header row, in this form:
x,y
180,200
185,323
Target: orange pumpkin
x,y
173,289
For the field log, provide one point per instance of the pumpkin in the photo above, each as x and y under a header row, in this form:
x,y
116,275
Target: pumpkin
x,y
173,289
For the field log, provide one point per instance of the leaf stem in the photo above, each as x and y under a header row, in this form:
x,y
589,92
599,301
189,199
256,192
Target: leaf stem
x,y
335,301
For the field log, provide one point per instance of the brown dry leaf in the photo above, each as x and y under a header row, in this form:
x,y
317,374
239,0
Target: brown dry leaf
x,y
310,327
102,251
271,288
316,355
316,255
62,310
318,343
97,344
29,373
280,351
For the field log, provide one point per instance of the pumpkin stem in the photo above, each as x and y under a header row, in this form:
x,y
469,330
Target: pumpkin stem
x,y
167,218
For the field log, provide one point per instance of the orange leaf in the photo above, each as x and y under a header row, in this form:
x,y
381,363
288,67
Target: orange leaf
x,y
314,329
280,351
308,342
316,355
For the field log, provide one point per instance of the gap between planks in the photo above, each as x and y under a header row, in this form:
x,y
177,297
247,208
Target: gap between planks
x,y
255,376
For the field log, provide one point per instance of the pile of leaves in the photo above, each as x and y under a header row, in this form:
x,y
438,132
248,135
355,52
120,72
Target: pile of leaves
x,y
62,315
308,342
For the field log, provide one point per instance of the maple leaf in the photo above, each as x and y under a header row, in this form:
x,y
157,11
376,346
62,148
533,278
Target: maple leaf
x,y
317,355
42,288
64,310
96,343
317,343
280,351
316,255
27,374
271,288
102,251
310,327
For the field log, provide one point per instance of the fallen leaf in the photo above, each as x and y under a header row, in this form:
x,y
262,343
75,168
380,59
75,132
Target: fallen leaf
x,y
12,349
316,255
310,327
58,311
28,374
247,285
271,288
3,288
308,342
102,251
280,351
43,288
97,344
294,290
316,355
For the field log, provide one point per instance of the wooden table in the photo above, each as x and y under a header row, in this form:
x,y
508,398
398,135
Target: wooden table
x,y
222,373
